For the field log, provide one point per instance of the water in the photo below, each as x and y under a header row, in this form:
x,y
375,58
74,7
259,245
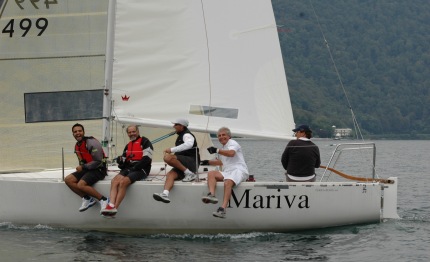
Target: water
x,y
406,239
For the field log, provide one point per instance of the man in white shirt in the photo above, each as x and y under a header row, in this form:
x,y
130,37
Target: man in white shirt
x,y
184,158
234,170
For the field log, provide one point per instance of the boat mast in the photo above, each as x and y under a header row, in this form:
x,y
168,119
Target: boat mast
x,y
107,99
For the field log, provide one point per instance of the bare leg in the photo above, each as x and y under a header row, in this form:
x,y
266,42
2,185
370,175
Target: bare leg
x,y
88,190
114,188
124,182
213,177
72,183
228,186
171,160
170,180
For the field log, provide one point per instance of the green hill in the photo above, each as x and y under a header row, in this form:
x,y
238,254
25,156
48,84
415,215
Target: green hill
x,y
382,54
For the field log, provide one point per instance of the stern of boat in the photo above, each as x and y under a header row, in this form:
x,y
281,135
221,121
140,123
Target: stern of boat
x,y
389,199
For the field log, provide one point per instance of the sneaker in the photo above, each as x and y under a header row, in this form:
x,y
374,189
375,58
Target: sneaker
x,y
108,216
161,197
110,210
219,213
189,177
87,203
210,199
103,204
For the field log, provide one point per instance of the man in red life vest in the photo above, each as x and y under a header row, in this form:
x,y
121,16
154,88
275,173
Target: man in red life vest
x,y
91,169
135,164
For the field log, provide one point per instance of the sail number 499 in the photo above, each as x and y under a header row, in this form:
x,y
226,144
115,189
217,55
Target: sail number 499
x,y
25,25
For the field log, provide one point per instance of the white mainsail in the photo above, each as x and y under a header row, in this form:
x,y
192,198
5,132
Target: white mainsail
x,y
69,55
216,63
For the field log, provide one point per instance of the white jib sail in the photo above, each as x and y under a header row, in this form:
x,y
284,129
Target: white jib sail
x,y
216,63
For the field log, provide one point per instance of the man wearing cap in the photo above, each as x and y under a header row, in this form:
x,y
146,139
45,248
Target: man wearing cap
x,y
184,158
301,156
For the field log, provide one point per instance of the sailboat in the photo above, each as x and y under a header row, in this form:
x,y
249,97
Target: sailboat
x,y
216,63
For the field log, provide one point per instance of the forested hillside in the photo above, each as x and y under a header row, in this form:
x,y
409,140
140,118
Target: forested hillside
x,y
382,52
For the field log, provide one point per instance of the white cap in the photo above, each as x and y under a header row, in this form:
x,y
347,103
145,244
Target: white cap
x,y
181,121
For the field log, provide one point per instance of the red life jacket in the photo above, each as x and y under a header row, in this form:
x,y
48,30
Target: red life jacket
x,y
82,152
134,150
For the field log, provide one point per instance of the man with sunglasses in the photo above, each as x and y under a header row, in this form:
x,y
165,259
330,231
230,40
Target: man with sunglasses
x,y
184,157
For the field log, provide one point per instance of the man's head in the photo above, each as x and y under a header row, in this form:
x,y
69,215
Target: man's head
x,y
180,124
133,132
78,132
224,134
303,131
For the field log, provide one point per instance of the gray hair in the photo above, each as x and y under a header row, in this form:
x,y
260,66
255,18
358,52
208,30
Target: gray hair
x,y
225,129
137,128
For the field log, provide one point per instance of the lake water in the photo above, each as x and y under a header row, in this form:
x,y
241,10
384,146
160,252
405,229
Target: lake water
x,y
405,239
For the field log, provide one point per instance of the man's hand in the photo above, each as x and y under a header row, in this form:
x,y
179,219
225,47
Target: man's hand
x,y
120,162
79,168
204,163
212,150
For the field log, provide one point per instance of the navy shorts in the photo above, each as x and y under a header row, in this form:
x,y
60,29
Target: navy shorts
x,y
90,176
134,175
188,162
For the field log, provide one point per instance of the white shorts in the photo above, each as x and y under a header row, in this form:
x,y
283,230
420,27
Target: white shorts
x,y
236,175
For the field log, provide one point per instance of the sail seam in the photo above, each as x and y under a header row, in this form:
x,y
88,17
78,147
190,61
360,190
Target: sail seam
x,y
50,57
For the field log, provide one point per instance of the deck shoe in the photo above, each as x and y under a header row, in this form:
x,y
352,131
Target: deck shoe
x,y
110,210
210,199
219,213
87,203
189,177
103,204
161,197
108,216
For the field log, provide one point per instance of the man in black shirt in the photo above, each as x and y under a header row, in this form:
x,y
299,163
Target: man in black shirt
x,y
301,156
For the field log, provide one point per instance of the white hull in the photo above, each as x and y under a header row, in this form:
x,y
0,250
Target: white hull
x,y
259,206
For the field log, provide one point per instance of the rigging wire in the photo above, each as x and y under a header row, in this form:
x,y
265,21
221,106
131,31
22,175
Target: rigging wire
x,y
354,119
209,74
359,135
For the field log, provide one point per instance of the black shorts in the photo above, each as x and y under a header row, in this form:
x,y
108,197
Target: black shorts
x,y
188,162
90,176
134,175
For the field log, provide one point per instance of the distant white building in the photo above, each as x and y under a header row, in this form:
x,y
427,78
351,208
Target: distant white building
x,y
342,133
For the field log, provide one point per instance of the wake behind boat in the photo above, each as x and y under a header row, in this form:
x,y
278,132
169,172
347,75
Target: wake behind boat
x,y
164,59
